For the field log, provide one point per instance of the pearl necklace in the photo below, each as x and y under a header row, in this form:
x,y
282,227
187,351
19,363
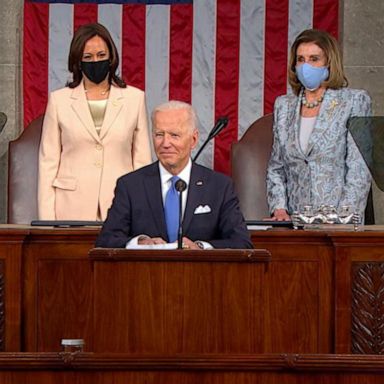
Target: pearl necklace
x,y
313,104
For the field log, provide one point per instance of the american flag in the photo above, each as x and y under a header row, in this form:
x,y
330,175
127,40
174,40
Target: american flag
x,y
226,57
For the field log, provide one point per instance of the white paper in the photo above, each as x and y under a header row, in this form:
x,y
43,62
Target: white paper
x,y
152,246
258,227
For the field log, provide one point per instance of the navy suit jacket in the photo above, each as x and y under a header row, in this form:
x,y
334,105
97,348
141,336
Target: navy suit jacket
x,y
137,209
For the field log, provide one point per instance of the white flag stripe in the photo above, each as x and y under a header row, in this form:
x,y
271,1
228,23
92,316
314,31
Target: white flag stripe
x,y
157,55
300,18
251,84
111,16
203,72
60,36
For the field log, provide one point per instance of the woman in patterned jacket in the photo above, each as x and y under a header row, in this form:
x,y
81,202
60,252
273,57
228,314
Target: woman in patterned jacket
x,y
314,160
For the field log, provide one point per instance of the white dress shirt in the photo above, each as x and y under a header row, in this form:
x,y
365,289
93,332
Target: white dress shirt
x,y
306,127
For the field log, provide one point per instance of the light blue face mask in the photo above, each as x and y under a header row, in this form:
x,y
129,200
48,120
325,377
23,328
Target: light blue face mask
x,y
311,77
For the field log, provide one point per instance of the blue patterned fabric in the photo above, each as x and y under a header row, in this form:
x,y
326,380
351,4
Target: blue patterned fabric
x,y
332,171
171,210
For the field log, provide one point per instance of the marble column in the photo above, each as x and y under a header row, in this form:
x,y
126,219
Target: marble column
x,y
11,13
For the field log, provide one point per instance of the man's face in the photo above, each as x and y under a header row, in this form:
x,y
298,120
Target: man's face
x,y
173,139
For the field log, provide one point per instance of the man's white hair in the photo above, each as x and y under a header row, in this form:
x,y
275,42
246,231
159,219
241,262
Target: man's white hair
x,y
174,105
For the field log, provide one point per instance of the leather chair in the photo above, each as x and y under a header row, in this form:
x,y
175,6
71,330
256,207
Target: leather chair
x,y
23,156
249,159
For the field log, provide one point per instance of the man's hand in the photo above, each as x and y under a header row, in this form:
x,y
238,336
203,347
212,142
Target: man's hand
x,y
145,240
189,244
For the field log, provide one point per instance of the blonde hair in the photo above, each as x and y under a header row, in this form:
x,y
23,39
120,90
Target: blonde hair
x,y
334,61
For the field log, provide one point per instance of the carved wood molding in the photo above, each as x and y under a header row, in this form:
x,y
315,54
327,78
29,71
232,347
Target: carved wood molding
x,y
320,363
176,255
367,328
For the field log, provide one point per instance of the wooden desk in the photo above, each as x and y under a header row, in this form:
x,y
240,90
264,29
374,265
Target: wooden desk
x,y
321,290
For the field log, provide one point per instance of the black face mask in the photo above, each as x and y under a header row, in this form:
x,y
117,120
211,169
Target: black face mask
x,y
96,71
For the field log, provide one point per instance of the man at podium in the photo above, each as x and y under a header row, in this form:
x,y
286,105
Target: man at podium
x,y
146,207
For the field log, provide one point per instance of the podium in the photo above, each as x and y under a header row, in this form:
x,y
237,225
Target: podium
x,y
179,301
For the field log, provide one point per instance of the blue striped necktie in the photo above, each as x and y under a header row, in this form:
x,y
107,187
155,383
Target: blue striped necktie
x,y
171,209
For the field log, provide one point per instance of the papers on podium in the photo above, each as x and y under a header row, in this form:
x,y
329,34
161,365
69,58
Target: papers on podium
x,y
152,246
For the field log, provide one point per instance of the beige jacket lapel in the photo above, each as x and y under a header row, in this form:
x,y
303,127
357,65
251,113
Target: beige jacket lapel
x,y
114,106
81,108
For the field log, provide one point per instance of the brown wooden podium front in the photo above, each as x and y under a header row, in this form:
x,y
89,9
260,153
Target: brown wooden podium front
x,y
169,302
221,301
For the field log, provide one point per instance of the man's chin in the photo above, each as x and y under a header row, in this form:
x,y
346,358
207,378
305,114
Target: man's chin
x,y
167,159
167,164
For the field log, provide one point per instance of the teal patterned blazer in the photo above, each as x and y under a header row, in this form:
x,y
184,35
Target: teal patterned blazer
x,y
332,171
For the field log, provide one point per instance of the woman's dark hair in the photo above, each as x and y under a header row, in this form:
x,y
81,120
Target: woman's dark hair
x,y
330,47
81,36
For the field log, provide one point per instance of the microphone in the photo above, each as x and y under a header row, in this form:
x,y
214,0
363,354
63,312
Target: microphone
x,y
180,186
221,123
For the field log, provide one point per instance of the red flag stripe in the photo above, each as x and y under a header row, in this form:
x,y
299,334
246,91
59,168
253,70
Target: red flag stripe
x,y
276,41
227,75
84,14
326,16
180,61
35,60
133,45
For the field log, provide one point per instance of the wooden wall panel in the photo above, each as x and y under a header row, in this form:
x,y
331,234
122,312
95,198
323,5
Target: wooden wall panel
x,y
299,297
11,250
292,313
367,323
359,283
58,290
64,303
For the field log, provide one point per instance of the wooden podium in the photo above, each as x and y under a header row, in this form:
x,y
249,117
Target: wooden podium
x,y
171,302
220,301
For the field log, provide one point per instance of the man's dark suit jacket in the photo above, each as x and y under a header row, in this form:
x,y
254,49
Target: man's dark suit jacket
x,y
137,209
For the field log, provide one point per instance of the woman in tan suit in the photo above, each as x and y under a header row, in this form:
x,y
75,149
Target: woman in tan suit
x,y
94,131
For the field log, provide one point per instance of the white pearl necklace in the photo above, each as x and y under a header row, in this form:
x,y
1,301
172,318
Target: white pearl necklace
x,y
313,104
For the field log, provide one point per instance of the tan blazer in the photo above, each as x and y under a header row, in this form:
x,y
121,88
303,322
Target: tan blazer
x,y
78,168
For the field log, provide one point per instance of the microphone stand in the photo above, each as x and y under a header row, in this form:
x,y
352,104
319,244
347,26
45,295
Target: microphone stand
x,y
180,186
221,123
180,229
